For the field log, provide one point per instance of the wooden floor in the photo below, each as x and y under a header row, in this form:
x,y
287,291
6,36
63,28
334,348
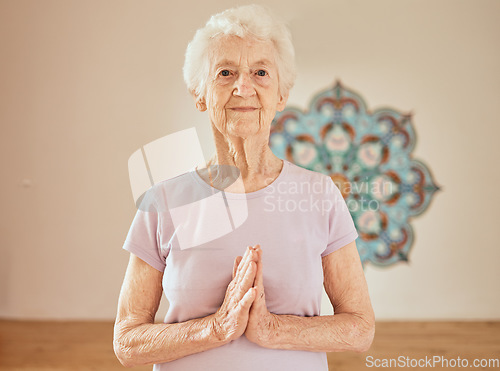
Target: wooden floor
x,y
88,345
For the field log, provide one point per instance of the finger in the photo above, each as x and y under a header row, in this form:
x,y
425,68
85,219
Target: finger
x,y
243,280
243,277
246,282
237,288
259,277
243,266
248,299
237,262
247,256
248,278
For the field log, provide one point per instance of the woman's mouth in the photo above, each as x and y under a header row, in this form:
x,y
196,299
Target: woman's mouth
x,y
243,109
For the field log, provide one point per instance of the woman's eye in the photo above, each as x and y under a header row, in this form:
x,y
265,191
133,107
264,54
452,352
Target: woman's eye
x,y
261,73
224,73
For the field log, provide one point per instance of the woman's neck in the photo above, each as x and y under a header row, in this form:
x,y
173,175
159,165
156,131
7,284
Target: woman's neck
x,y
257,164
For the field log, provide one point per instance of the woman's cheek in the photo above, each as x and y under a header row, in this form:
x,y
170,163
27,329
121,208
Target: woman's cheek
x,y
266,117
218,115
214,109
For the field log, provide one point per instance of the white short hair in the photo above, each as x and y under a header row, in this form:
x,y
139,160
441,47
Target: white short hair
x,y
248,20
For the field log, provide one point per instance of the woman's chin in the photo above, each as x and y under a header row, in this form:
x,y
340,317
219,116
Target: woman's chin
x,y
243,129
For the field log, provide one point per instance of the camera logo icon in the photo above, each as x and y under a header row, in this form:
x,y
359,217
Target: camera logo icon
x,y
164,177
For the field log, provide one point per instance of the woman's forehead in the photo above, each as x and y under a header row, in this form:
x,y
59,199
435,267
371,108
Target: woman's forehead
x,y
234,51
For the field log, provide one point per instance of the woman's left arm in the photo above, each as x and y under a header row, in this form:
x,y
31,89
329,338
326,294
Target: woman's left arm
x,y
352,327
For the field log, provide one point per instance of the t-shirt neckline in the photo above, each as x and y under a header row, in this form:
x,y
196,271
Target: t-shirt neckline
x,y
248,195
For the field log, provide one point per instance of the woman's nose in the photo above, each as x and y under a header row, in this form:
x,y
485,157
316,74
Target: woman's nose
x,y
244,86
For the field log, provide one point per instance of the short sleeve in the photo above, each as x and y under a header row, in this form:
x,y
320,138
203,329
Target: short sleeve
x,y
143,238
341,226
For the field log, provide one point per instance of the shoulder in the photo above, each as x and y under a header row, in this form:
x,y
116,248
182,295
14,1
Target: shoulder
x,y
161,195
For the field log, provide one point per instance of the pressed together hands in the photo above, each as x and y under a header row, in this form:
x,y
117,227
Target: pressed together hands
x,y
138,340
244,308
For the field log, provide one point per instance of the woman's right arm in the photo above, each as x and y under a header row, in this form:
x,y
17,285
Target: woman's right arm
x,y
138,340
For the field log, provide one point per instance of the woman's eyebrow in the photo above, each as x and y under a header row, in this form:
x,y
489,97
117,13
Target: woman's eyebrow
x,y
263,62
227,62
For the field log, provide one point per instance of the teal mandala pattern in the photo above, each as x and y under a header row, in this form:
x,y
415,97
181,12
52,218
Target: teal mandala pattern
x,y
369,157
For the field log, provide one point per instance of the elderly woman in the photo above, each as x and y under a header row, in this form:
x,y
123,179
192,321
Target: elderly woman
x,y
248,299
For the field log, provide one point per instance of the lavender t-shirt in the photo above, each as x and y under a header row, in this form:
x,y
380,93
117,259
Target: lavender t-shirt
x,y
298,219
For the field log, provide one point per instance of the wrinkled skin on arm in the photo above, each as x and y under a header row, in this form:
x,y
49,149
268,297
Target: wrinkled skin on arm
x,y
351,328
138,340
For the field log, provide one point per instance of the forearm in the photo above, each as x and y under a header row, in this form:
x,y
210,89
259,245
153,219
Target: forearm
x,y
158,343
335,333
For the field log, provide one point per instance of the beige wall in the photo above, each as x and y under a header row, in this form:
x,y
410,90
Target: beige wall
x,y
83,84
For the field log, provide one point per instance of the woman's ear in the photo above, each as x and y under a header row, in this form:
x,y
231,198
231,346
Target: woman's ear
x,y
199,101
283,98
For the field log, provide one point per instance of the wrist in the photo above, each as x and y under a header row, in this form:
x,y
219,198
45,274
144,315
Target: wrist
x,y
270,340
217,332
268,334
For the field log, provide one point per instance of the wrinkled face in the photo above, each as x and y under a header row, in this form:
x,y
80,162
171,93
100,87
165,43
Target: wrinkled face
x,y
242,88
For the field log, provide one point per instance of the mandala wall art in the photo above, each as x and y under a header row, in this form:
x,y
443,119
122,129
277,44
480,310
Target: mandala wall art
x,y
369,157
